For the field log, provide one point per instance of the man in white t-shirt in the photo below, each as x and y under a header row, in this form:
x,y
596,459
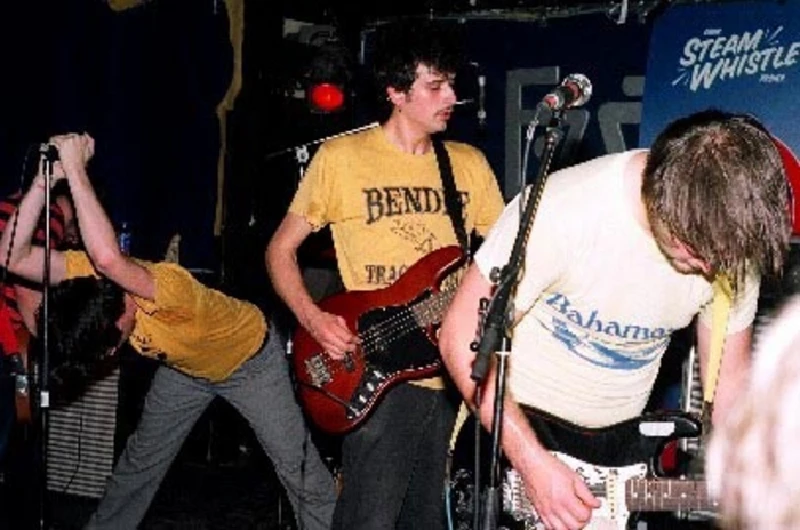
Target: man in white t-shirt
x,y
622,252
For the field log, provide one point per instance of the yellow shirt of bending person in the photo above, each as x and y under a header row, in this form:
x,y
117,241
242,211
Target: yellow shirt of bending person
x,y
192,328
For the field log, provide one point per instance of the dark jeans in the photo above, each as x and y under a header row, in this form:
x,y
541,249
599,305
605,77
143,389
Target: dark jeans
x,y
393,465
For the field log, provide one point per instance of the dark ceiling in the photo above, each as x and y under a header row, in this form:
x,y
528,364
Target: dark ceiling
x,y
332,10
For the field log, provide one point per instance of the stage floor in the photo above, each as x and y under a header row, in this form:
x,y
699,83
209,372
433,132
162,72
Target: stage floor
x,y
216,483
242,495
237,494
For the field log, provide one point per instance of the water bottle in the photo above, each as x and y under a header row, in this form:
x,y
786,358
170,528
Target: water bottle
x,y
124,238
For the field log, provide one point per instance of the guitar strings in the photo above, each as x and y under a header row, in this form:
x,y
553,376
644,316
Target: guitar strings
x,y
397,326
391,329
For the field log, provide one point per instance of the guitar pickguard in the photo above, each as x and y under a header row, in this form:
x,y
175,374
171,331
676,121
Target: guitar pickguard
x,y
616,463
392,340
606,483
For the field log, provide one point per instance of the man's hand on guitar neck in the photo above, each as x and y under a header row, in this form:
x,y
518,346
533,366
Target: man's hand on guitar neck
x,y
332,333
561,497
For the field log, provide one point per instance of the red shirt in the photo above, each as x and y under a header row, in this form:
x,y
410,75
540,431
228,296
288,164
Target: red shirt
x,y
10,318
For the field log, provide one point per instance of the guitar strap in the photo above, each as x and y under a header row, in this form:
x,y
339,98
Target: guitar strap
x,y
456,212
451,200
720,311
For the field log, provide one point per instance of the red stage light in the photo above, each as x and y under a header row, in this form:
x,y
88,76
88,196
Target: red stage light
x,y
792,167
327,97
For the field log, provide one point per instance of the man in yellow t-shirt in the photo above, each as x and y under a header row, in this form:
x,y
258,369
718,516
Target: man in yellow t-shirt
x,y
210,345
381,193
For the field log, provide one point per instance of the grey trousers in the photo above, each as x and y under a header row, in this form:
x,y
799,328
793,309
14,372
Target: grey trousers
x,y
261,391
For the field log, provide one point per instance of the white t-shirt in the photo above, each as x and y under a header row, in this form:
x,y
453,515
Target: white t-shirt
x,y
599,300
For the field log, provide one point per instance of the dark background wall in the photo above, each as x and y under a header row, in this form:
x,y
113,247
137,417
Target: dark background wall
x,y
145,83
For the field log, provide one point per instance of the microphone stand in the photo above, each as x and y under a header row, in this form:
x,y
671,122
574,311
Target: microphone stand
x,y
41,398
495,335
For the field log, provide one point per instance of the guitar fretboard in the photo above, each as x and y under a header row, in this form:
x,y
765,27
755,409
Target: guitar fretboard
x,y
641,495
668,495
430,310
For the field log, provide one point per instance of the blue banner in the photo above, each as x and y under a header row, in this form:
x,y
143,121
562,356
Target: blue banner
x,y
742,57
739,57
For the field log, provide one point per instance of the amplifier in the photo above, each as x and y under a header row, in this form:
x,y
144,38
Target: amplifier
x,y
80,441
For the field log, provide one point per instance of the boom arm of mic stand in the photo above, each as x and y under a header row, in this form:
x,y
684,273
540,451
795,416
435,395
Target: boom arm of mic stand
x,y
499,317
348,132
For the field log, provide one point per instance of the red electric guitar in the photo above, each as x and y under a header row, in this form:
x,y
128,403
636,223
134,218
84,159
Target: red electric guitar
x,y
14,346
22,394
396,326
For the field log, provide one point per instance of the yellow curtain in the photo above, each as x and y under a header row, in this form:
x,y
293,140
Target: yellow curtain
x,y
236,18
121,5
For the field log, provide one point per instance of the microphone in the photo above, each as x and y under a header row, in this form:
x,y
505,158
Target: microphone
x,y
574,91
49,152
481,101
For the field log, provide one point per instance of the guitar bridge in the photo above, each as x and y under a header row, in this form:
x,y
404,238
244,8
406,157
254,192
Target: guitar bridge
x,y
21,384
365,392
317,370
19,374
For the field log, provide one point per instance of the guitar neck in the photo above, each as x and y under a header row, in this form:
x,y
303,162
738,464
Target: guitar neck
x,y
668,495
430,310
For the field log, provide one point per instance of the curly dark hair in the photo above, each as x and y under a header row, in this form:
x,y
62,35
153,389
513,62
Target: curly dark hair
x,y
402,46
715,181
82,329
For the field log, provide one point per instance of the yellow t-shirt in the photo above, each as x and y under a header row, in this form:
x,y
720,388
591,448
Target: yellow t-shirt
x,y
386,208
193,328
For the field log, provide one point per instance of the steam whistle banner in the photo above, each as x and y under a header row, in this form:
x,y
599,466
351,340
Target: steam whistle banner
x,y
741,57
